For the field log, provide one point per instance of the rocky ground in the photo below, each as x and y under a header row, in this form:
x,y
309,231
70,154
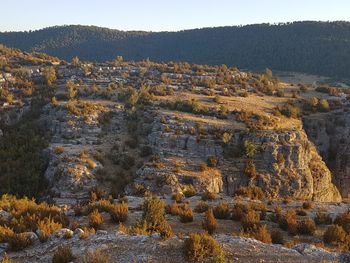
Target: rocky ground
x,y
110,135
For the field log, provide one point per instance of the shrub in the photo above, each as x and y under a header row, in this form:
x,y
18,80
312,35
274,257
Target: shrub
x,y
289,222
119,212
201,207
334,234
250,169
277,237
96,257
323,105
54,102
209,222
307,205
290,111
153,218
208,196
91,164
251,220
87,231
186,214
344,221
199,247
261,233
19,242
250,148
95,219
212,161
323,219
173,209
238,211
63,254
278,214
177,197
5,234
253,192
306,227
59,150
203,167
222,211
301,212
190,191
5,259
47,227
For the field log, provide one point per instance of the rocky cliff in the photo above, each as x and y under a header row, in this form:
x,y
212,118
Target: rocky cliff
x,y
330,133
286,162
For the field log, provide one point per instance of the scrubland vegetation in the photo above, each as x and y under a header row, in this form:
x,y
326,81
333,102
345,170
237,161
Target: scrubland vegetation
x,y
174,151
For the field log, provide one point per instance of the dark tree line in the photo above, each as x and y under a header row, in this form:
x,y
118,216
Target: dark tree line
x,y
312,47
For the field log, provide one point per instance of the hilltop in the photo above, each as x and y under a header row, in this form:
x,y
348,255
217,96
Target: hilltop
x,y
321,48
134,161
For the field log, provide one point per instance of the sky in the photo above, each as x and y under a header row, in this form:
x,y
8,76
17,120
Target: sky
x,y
164,15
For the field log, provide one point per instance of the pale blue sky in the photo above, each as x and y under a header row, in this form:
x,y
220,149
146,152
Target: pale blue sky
x,y
160,15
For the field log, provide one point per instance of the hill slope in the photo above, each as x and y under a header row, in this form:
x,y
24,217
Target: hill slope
x,y
311,47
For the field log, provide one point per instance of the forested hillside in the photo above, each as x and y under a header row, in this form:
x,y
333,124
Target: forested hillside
x,y
312,47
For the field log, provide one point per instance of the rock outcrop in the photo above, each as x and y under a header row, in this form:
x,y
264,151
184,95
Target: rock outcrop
x,y
330,133
286,162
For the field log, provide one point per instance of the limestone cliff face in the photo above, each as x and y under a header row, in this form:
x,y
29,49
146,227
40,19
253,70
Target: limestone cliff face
x,y
286,162
330,133
289,165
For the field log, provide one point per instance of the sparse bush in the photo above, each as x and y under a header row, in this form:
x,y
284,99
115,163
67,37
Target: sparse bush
x,y
344,221
250,149
209,196
5,259
222,211
177,197
300,212
307,205
91,163
200,247
203,167
186,214
59,150
47,227
289,222
5,234
253,192
96,257
250,169
238,211
306,227
86,232
95,219
119,212
190,191
212,161
290,111
277,237
334,234
201,207
63,254
19,242
173,209
261,233
153,218
209,222
323,219
323,105
251,220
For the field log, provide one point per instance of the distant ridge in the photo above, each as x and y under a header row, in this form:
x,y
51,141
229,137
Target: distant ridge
x,y
321,48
